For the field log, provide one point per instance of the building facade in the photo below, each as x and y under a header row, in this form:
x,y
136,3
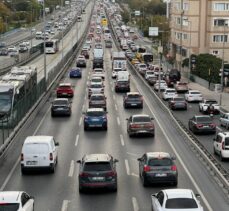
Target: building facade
x,y
199,26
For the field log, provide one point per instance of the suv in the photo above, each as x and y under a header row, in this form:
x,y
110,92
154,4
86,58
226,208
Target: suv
x,y
133,99
221,145
97,171
97,63
157,167
61,106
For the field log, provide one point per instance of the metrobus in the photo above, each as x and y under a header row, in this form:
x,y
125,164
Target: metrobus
x,y
52,46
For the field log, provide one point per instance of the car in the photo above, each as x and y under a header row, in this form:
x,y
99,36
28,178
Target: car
x,y
152,80
129,55
108,44
88,42
140,124
142,68
193,96
61,107
181,86
157,167
163,85
87,46
98,46
95,118
176,199
177,103
133,99
95,88
221,145
85,53
148,74
201,124
39,153
97,63
98,101
75,72
224,120
134,61
122,86
169,93
65,90
16,201
97,171
98,72
81,62
97,39
124,47
3,52
96,80
205,104
133,47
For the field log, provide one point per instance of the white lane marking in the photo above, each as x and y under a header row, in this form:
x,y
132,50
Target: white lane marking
x,y
77,140
80,122
65,205
127,167
118,120
135,204
178,156
19,159
135,175
116,107
71,170
122,140
114,97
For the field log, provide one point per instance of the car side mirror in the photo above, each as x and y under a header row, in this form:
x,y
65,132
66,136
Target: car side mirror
x,y
214,139
78,161
116,160
57,144
197,195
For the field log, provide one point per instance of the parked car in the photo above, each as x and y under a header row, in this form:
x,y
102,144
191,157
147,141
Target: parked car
x,y
169,93
133,99
97,171
176,199
201,124
181,86
193,96
221,145
158,167
140,124
39,152
98,101
224,120
65,90
177,103
95,118
75,72
206,104
61,107
16,201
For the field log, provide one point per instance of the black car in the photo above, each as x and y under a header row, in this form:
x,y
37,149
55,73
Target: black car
x,y
97,171
3,52
122,86
61,107
157,167
202,124
133,99
152,80
81,62
177,103
98,63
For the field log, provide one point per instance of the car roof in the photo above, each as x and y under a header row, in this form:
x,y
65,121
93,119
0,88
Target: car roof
x,y
179,193
140,115
38,139
158,154
133,93
10,196
97,157
95,109
65,84
194,90
60,99
99,94
170,89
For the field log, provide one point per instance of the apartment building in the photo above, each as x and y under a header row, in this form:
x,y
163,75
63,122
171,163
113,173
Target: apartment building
x,y
199,26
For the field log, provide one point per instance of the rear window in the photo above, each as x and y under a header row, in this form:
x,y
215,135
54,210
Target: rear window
x,y
160,162
97,166
170,91
141,119
36,148
226,142
134,96
9,207
60,102
64,87
95,113
96,86
211,102
178,99
123,82
96,80
181,203
203,119
97,98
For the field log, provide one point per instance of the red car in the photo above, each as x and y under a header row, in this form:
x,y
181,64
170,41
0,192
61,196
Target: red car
x,y
85,53
65,90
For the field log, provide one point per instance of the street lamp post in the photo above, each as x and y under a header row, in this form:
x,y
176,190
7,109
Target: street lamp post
x,y
45,70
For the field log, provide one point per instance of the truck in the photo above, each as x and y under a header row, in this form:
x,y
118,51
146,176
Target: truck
x,y
119,63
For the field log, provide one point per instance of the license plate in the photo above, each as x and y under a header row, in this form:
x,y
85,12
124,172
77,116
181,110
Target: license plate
x,y
95,120
205,126
64,93
161,175
97,178
133,104
59,109
31,163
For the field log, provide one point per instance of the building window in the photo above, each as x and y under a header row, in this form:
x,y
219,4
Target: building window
x,y
178,21
221,7
220,38
186,6
215,52
221,22
185,36
177,6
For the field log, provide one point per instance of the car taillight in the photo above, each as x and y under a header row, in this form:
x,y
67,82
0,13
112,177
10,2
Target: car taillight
x,y
135,126
141,98
83,174
174,168
22,157
146,168
223,145
199,125
111,174
212,125
50,156
149,125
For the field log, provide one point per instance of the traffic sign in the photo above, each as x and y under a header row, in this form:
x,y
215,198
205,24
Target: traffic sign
x,y
137,13
153,31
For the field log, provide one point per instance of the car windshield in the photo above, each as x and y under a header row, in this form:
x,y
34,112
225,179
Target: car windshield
x,y
95,113
97,98
98,86
5,102
134,96
203,119
178,99
160,162
97,166
98,71
122,82
9,207
182,84
181,203
141,119
60,102
170,91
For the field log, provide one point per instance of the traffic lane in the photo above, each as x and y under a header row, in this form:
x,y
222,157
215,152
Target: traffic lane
x,y
201,177
64,130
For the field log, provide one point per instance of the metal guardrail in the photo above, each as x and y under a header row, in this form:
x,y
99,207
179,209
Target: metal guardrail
x,y
214,166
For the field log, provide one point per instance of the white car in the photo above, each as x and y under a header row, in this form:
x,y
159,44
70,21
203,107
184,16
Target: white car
x,y
98,72
169,93
16,200
163,85
203,106
148,74
224,120
95,89
221,145
142,68
176,199
96,80
193,95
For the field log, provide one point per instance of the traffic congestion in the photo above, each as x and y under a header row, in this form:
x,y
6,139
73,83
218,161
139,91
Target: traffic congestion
x,y
107,136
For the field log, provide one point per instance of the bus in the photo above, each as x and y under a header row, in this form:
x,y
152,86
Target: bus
x,y
51,46
146,58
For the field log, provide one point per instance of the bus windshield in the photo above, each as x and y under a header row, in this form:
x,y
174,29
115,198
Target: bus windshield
x,y
5,103
141,50
49,44
148,58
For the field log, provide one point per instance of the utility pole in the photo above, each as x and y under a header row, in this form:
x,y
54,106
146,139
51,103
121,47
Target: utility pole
x,y
45,70
181,33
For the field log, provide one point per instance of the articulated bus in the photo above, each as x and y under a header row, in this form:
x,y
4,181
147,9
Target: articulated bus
x,y
51,46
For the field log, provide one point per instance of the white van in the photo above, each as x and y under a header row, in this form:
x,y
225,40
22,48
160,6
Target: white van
x,y
123,76
39,152
38,35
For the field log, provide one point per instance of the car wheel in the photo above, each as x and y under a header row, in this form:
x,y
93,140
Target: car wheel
x,y
141,106
125,105
105,127
85,127
52,114
115,188
144,181
130,135
199,109
81,190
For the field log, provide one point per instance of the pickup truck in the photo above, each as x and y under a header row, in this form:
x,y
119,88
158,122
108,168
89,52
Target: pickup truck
x,y
203,105
224,120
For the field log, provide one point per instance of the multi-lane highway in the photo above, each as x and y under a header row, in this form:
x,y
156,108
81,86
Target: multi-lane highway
x,y
59,191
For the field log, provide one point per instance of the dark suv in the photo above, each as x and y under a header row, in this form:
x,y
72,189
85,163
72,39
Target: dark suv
x,y
122,86
133,99
97,171
97,63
